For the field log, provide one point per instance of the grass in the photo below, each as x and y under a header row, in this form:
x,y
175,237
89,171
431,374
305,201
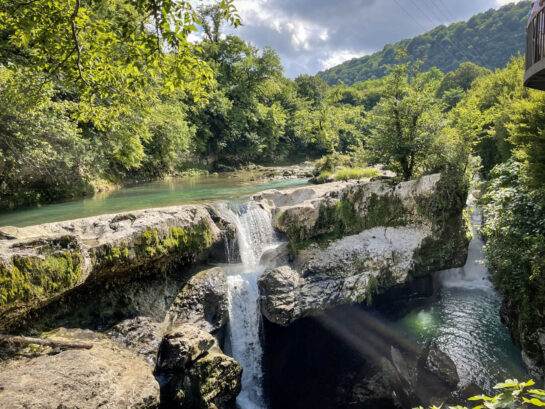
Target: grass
x,y
356,173
345,174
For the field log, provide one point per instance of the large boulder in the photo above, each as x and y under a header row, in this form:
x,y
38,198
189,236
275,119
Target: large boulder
x,y
202,301
426,378
183,346
350,270
107,376
40,263
352,240
195,373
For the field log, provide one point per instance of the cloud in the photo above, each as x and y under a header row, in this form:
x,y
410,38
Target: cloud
x,y
311,35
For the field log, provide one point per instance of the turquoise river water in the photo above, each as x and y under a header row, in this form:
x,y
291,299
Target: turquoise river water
x,y
170,192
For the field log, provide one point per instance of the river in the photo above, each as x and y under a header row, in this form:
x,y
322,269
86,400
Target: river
x,y
171,192
464,320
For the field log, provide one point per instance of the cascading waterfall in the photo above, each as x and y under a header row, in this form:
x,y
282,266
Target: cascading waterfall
x,y
255,235
474,275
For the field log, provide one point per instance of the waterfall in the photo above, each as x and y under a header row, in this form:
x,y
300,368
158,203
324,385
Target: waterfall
x,y
255,235
474,275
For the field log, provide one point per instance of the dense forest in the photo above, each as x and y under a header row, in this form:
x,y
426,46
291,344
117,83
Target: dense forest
x,y
487,39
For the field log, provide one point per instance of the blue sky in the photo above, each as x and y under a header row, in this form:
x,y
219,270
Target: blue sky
x,y
311,35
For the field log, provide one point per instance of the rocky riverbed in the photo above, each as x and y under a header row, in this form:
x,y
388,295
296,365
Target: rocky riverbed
x,y
138,286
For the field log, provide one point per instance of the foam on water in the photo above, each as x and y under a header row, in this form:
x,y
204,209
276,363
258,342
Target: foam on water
x,y
255,235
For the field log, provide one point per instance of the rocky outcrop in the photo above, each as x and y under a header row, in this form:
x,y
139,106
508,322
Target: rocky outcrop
x,y
40,263
202,301
105,376
352,240
350,270
194,371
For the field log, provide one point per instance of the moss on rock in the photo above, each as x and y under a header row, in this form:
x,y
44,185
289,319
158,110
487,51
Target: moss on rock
x,y
350,215
179,241
31,277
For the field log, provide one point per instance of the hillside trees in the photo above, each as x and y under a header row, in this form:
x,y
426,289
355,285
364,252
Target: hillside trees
x,y
488,39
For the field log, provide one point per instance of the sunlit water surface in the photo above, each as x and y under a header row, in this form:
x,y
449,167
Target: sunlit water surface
x,y
147,195
465,322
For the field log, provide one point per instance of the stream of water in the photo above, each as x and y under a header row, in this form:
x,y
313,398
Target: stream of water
x,y
255,235
465,322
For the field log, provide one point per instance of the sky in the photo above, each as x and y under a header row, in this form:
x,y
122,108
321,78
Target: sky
x,y
313,35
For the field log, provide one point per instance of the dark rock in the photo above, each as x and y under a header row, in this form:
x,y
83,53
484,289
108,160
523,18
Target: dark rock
x,y
194,371
439,364
469,390
141,334
202,301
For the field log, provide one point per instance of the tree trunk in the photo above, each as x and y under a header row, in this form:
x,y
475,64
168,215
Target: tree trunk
x,y
16,339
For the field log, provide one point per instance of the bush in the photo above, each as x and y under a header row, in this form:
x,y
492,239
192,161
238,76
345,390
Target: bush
x,y
514,395
328,163
323,177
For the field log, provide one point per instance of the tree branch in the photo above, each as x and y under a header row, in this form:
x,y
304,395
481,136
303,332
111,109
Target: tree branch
x,y
76,41
15,339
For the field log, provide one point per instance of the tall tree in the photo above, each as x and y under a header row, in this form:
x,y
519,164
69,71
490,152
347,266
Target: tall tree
x,y
405,121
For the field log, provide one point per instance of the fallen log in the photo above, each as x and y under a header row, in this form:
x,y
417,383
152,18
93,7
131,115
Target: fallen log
x,y
18,339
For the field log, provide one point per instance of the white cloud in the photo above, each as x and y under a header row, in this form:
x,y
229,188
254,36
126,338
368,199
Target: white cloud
x,y
312,35
336,57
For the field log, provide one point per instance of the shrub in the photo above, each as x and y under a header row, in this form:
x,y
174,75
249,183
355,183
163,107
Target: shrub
x,y
514,395
323,177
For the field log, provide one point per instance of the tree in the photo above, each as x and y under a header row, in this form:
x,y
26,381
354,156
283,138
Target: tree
x,y
462,77
110,51
482,116
311,88
405,121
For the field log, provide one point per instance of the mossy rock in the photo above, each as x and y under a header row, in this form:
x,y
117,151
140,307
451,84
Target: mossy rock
x,y
37,277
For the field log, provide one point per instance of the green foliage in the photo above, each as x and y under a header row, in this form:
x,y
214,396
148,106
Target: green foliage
x,y
488,39
456,83
404,124
514,395
344,174
110,51
482,117
356,173
515,249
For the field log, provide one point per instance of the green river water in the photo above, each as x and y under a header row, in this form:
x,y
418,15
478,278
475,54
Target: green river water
x,y
176,191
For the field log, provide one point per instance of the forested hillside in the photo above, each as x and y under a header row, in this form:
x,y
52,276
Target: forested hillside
x,y
488,39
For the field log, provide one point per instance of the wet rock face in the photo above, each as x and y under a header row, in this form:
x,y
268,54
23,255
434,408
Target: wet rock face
x,y
427,378
194,372
105,376
202,301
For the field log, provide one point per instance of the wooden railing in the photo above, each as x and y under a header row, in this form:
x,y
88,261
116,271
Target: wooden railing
x,y
535,39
